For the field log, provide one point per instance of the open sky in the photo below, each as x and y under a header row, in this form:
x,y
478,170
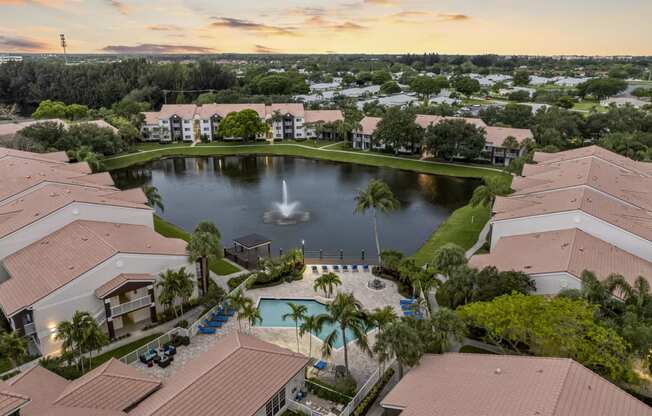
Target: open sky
x,y
536,27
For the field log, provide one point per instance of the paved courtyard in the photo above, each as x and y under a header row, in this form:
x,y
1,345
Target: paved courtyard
x,y
362,365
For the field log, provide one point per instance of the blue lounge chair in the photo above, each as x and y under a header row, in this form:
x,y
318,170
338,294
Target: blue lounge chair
x,y
219,318
408,306
365,268
324,269
314,269
408,313
206,330
336,268
213,324
345,268
354,268
407,301
230,312
320,365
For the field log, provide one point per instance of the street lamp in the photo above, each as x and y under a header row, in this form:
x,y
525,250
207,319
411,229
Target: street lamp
x,y
303,251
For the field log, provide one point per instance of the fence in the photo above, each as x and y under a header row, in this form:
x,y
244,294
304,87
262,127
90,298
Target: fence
x,y
156,344
338,257
364,391
302,409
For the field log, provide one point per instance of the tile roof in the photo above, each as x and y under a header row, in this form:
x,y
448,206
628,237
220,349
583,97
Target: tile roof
x,y
238,375
633,188
368,125
120,280
635,220
596,152
325,116
41,385
38,204
571,251
207,111
10,399
20,175
296,109
10,129
53,261
112,386
496,135
52,157
151,118
507,385
185,111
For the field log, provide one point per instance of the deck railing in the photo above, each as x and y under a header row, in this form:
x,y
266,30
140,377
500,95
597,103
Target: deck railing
x,y
364,391
131,306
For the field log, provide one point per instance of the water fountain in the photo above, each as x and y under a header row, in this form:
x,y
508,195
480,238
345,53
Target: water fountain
x,y
286,212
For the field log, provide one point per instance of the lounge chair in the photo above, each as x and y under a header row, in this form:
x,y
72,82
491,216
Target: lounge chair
x,y
354,268
219,318
324,269
213,324
345,268
407,301
408,313
336,268
408,306
365,268
230,312
206,330
314,269
320,365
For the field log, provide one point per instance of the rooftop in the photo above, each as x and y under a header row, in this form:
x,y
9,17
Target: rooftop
x,y
240,374
508,385
10,399
595,152
55,260
571,251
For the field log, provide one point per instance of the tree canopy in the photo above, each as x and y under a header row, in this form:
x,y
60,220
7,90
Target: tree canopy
x,y
398,128
246,124
455,138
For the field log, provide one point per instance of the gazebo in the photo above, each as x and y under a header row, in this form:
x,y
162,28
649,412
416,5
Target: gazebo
x,y
248,249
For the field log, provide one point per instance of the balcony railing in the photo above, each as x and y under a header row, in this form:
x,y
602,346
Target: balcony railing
x,y
131,306
29,329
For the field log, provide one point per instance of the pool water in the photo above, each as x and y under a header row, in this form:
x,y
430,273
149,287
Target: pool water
x,y
272,311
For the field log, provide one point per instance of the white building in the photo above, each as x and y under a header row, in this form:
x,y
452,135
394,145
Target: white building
x,y
192,123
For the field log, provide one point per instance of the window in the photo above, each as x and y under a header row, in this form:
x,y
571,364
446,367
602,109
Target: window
x,y
276,403
186,129
165,121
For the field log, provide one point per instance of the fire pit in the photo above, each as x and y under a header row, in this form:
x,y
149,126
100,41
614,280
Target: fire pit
x,y
376,284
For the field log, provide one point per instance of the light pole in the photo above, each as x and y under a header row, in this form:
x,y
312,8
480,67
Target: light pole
x,y
303,251
62,37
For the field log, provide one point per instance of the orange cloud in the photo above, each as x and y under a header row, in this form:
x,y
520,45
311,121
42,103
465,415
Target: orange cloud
x,y
250,26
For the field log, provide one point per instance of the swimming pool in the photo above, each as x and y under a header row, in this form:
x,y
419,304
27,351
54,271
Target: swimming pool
x,y
272,311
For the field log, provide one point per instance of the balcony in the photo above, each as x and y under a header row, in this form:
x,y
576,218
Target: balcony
x,y
131,306
30,329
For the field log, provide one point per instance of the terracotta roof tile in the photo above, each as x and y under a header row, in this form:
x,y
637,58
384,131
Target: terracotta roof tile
x,y
41,385
595,152
507,385
10,399
120,280
54,261
236,377
111,386
325,116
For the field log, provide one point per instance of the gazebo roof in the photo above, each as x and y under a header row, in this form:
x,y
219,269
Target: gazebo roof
x,y
252,241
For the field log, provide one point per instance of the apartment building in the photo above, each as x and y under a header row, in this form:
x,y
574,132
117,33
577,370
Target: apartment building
x,y
494,151
191,123
70,240
583,209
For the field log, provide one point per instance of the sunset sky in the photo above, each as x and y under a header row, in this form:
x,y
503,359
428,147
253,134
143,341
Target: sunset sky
x,y
540,27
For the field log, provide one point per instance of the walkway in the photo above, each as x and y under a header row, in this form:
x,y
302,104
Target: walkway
x,y
482,238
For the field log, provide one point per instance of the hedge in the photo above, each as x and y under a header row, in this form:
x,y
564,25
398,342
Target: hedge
x,y
330,392
368,401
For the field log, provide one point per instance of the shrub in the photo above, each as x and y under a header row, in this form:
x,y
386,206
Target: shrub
x,y
330,392
369,400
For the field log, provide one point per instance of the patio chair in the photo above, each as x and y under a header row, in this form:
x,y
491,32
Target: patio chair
x,y
315,270
229,312
213,324
206,330
345,268
219,318
407,301
408,313
320,365
336,268
365,268
324,269
354,268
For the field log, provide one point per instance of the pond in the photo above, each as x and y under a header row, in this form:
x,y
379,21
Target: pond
x,y
245,194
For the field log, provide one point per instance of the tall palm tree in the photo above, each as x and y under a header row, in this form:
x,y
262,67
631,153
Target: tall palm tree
x,y
240,303
345,313
14,347
184,286
327,283
169,286
204,246
297,313
93,339
377,197
154,198
252,314
309,326
402,341
485,195
72,333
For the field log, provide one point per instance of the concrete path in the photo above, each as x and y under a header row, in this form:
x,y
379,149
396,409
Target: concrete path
x,y
482,238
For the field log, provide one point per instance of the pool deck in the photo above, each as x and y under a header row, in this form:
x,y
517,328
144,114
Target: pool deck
x,y
361,364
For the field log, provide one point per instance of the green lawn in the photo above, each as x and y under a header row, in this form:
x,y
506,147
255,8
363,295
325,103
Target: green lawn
x,y
588,105
124,350
462,228
167,229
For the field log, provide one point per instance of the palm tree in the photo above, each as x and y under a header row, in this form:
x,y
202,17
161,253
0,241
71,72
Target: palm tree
x,y
154,199
240,303
72,333
310,325
484,195
297,313
381,317
93,339
14,347
379,198
86,154
185,285
327,283
345,313
402,341
204,246
174,284
252,314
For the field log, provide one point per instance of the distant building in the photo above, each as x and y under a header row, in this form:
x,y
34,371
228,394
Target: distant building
x,y
192,123
10,58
